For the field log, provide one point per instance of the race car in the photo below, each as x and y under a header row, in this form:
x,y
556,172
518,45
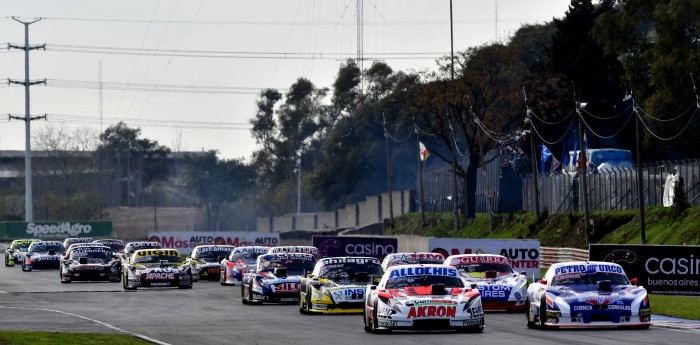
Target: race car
x,y
43,255
587,294
71,240
410,258
276,278
156,268
337,285
117,246
89,263
422,297
15,252
206,261
240,261
501,288
132,247
295,249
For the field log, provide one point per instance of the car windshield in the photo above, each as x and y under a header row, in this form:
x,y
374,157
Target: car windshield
x,y
578,278
91,254
152,259
298,265
423,280
130,249
349,270
23,247
114,246
212,253
478,269
44,248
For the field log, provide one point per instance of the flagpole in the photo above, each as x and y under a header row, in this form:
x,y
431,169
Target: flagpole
x,y
420,175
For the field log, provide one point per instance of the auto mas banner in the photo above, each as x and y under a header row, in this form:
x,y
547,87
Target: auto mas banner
x,y
669,270
524,255
378,247
184,241
55,230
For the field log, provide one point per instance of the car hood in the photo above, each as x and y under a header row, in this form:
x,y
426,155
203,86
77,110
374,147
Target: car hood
x,y
588,295
418,294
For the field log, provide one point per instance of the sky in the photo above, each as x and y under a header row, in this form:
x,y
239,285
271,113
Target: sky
x,y
189,72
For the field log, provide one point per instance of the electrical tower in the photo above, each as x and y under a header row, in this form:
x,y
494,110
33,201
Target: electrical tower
x,y
360,42
29,213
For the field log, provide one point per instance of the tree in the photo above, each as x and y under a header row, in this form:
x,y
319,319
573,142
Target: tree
x,y
140,162
264,130
217,183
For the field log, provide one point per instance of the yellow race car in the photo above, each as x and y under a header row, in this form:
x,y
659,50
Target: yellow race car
x,y
15,252
337,285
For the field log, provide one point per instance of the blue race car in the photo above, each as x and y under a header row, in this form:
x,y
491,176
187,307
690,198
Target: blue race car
x,y
43,255
587,294
238,262
276,278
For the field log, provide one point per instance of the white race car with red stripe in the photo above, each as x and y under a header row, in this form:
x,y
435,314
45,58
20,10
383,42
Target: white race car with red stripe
x,y
240,261
425,297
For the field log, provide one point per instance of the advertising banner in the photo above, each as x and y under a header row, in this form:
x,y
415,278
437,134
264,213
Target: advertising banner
x,y
184,241
524,255
378,247
55,230
669,270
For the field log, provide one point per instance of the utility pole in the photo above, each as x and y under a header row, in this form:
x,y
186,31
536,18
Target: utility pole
x,y
29,211
640,186
388,175
583,158
455,204
533,158
298,169
360,42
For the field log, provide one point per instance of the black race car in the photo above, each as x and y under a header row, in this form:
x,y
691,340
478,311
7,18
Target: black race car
x,y
43,255
90,263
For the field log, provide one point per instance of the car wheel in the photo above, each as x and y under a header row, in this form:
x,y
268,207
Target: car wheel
x,y
222,277
250,296
243,292
305,304
8,263
375,322
125,283
543,313
25,268
530,324
368,329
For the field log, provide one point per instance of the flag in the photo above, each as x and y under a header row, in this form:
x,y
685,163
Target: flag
x,y
555,163
545,156
423,153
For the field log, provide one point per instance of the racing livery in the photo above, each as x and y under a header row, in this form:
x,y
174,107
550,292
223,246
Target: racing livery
x,y
43,255
89,264
15,252
501,288
426,297
131,247
587,294
117,246
71,240
156,268
205,261
337,285
411,258
238,262
295,249
276,278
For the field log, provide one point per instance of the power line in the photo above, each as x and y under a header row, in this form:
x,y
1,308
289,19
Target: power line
x,y
148,122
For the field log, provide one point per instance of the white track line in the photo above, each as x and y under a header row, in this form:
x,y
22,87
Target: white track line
x,y
146,338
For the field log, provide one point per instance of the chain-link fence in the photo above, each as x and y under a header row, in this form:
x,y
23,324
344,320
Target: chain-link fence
x,y
608,189
614,188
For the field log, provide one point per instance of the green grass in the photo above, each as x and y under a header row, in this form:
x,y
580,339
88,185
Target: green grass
x,y
684,307
50,338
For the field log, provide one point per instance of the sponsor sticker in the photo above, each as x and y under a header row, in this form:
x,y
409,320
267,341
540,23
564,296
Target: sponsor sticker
x,y
432,311
419,271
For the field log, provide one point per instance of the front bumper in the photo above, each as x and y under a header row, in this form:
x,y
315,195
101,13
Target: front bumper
x,y
90,275
430,324
282,297
337,308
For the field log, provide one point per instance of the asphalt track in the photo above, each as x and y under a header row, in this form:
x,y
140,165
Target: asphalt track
x,y
213,314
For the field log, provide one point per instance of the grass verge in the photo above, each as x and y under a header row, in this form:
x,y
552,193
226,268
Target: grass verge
x,y
49,338
684,307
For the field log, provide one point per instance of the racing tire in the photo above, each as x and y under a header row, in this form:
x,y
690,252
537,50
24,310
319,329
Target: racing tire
x,y
374,326
25,268
250,296
530,324
125,284
222,278
543,313
368,329
7,262
243,299
305,304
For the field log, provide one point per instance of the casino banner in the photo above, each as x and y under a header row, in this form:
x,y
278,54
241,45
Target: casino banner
x,y
524,255
185,241
377,247
661,269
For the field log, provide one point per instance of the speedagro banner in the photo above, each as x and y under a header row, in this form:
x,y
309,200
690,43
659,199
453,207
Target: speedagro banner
x,y
669,270
55,230
378,247
524,255
184,241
